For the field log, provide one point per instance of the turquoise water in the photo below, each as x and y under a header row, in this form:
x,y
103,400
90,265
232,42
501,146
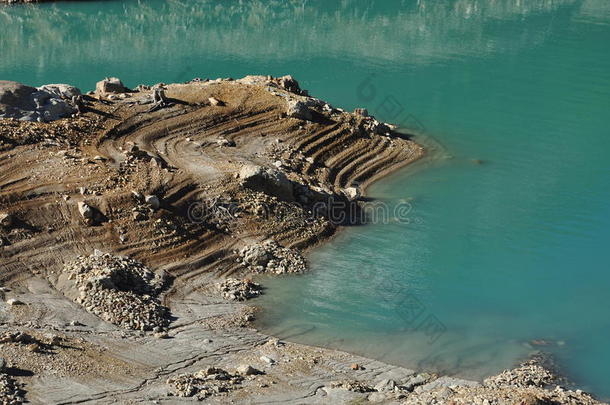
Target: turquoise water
x,y
506,239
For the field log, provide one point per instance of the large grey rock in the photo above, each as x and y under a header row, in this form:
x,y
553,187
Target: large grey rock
x,y
30,104
16,95
267,180
61,90
110,85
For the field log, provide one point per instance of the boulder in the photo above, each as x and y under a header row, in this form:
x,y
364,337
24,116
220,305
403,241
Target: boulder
x,y
61,90
246,369
289,83
30,104
16,95
267,180
298,109
110,85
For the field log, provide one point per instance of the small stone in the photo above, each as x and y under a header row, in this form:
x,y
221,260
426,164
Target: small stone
x,y
353,193
356,366
216,102
153,201
267,360
246,369
14,301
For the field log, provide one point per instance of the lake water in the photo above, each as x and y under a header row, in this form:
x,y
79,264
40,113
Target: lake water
x,y
507,234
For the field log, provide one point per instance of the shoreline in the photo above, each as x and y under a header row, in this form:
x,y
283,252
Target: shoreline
x,y
190,180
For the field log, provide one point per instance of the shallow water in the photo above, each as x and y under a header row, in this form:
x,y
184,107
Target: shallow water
x,y
506,235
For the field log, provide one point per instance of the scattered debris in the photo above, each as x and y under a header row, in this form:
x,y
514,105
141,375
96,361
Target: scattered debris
x,y
353,385
119,290
240,290
270,257
205,383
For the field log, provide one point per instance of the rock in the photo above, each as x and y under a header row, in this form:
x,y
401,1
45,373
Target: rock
x,y
6,220
356,366
216,102
267,180
288,83
14,301
352,193
86,211
110,85
137,196
27,103
298,109
385,385
61,90
246,369
363,112
16,95
225,142
153,201
267,360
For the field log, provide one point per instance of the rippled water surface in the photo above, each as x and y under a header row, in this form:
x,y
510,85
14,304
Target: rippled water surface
x,y
508,232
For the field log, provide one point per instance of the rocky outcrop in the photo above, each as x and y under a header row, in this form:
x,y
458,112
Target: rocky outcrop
x,y
43,104
267,180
